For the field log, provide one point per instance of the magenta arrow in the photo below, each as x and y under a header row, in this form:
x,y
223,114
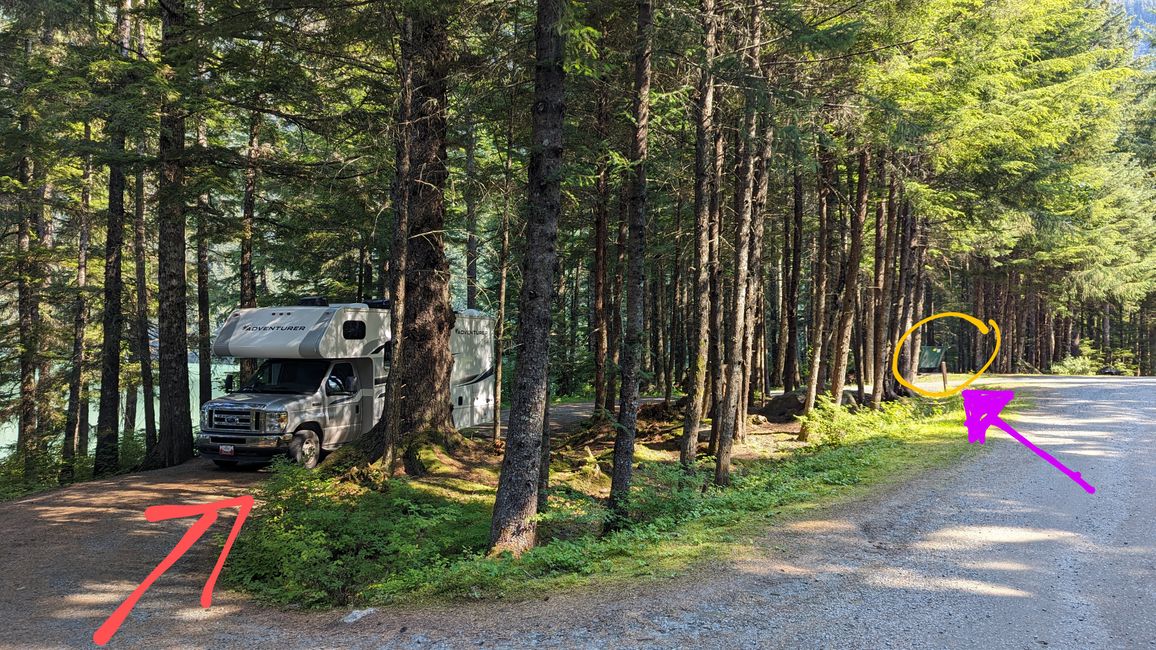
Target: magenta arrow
x,y
981,409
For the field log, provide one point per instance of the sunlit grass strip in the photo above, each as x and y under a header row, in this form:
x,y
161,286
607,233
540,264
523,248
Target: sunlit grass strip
x,y
416,541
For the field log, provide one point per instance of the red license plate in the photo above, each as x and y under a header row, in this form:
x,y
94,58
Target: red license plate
x,y
226,450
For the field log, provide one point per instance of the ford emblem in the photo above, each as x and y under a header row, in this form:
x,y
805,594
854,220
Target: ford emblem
x,y
231,420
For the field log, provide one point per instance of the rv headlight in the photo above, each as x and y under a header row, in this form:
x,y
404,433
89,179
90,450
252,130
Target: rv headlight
x,y
204,417
276,421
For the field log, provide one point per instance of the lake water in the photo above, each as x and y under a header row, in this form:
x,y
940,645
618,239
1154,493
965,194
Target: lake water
x,y
8,429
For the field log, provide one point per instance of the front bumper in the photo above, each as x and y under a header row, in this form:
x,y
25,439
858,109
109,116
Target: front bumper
x,y
246,447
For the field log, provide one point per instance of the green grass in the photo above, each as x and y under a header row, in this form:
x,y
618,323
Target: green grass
x,y
320,542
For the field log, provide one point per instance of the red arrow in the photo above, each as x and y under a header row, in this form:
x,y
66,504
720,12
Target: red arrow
x,y
981,409
208,513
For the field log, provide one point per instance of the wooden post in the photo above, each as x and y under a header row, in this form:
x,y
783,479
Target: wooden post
x,y
943,372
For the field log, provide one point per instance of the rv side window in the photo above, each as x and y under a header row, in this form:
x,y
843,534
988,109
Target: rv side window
x,y
353,330
342,380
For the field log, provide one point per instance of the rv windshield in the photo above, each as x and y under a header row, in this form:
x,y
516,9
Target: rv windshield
x,y
286,376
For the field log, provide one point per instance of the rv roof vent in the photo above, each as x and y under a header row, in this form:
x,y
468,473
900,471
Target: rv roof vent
x,y
313,301
378,303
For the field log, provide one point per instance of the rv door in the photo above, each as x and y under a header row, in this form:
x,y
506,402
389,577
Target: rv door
x,y
342,406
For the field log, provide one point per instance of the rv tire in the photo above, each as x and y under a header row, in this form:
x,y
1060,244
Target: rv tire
x,y
305,449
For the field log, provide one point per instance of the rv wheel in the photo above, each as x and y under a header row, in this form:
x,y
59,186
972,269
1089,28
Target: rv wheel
x,y
305,448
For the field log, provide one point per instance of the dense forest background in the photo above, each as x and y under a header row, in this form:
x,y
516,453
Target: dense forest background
x,y
722,200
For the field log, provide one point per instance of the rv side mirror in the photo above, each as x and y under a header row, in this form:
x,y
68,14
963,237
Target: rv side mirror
x,y
230,379
335,386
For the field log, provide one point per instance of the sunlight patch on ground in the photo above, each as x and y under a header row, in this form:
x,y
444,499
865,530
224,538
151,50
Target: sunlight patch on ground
x,y
103,594
822,526
995,565
903,579
971,536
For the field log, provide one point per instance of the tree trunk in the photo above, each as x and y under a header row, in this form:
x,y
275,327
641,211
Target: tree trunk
x,y
791,367
784,283
615,329
248,208
544,454
27,307
599,298
636,274
144,351
130,404
380,442
175,439
717,327
760,183
885,228
1106,330
108,418
904,293
570,380
425,407
204,335
471,197
513,528
671,358
504,256
76,402
819,294
842,339
742,247
859,346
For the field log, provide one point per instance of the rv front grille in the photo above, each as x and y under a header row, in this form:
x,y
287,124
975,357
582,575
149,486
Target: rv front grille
x,y
235,420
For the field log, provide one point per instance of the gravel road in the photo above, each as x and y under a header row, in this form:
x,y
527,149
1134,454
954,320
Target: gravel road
x,y
1003,551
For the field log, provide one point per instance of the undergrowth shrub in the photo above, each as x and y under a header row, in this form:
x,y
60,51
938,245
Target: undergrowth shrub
x,y
318,541
1075,366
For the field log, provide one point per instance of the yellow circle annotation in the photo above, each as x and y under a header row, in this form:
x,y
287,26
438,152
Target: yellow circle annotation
x,y
980,325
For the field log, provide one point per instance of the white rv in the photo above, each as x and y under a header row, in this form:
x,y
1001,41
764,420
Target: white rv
x,y
321,379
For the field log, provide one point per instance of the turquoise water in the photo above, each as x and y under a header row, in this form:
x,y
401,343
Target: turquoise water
x,y
8,428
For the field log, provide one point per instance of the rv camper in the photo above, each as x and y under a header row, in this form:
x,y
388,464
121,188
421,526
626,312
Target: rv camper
x,y
321,379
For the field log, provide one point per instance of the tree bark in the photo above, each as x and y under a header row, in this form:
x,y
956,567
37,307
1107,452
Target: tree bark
x,y
425,407
471,197
248,292
791,367
636,274
175,439
380,442
27,307
144,351
760,183
742,259
504,254
819,294
885,228
513,528
112,322
615,316
714,264
599,298
842,338
76,398
204,336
